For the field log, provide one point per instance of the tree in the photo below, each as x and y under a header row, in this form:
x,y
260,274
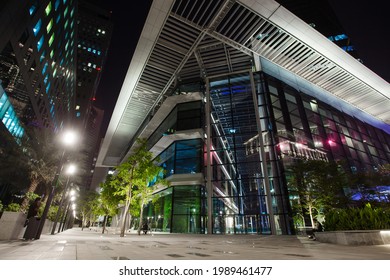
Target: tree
x,y
136,172
88,202
317,185
13,166
145,186
44,156
108,200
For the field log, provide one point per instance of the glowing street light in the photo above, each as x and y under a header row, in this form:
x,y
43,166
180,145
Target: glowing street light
x,y
70,170
68,138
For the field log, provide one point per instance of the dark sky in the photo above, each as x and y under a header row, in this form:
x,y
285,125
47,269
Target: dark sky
x,y
366,23
128,18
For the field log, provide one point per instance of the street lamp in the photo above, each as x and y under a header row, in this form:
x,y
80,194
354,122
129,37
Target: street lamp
x,y
70,199
68,138
68,219
70,171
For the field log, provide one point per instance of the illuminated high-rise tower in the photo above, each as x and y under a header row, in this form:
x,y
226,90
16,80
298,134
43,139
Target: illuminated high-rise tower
x,y
93,40
38,61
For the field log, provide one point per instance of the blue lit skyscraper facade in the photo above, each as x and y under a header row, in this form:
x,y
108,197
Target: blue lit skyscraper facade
x,y
37,58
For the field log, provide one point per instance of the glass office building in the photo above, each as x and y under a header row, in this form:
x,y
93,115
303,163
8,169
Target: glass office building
x,y
293,125
229,94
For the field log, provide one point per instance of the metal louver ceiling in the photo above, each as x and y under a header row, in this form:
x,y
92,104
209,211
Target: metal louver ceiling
x,y
184,40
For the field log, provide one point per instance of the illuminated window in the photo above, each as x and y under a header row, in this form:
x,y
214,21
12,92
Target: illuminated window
x,y
340,37
37,27
40,43
57,4
51,40
48,9
46,79
66,12
42,56
44,68
49,26
48,88
33,9
348,48
52,54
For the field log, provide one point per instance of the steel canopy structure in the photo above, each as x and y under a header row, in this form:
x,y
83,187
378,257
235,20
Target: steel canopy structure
x,y
190,40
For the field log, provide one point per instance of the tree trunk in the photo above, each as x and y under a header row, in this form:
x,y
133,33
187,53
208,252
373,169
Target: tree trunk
x,y
124,216
140,218
311,215
104,223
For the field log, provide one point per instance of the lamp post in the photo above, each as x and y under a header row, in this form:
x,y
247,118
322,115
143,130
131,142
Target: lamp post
x,y
70,200
70,171
68,139
71,208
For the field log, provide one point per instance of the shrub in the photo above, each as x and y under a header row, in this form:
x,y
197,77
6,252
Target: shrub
x,y
1,206
13,207
52,212
366,218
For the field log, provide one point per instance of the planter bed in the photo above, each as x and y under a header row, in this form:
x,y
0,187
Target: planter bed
x,y
11,225
355,237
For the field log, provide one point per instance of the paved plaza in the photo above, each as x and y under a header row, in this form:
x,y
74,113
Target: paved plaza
x,y
75,244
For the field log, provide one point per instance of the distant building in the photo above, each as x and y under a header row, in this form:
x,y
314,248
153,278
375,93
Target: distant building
x,y
37,60
52,55
93,40
320,15
92,138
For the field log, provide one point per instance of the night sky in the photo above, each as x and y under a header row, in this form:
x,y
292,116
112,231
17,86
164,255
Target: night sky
x,y
366,23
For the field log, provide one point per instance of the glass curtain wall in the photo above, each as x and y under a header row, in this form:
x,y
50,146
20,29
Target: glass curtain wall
x,y
239,199
8,116
244,166
180,208
308,129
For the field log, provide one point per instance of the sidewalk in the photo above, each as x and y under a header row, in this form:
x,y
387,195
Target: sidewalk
x,y
75,244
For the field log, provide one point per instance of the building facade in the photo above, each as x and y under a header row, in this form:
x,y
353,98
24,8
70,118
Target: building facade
x,y
93,40
52,54
228,94
38,65
293,126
